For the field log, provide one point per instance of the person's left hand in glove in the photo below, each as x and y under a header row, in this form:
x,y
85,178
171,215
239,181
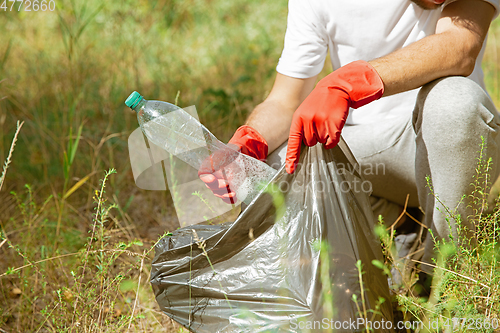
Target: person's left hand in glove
x,y
322,115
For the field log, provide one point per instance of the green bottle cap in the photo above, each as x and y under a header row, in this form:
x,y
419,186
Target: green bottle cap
x,y
133,99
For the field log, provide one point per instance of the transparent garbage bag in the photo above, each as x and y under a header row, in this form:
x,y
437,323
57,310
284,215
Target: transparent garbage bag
x,y
287,262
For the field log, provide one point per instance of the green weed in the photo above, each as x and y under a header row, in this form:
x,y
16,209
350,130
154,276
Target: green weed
x,y
465,287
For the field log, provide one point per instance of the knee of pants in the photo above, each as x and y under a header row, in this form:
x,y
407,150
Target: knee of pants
x,y
453,104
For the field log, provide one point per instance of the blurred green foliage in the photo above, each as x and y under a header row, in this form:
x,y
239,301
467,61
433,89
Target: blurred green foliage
x,y
78,64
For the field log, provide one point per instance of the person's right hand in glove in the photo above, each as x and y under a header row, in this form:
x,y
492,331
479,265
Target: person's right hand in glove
x,y
322,115
245,140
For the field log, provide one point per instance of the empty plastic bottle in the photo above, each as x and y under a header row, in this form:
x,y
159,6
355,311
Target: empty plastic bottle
x,y
173,129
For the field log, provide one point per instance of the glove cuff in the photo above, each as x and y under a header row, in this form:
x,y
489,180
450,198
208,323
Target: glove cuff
x,y
359,80
250,142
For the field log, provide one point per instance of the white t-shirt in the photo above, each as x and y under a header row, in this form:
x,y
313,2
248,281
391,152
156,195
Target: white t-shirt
x,y
358,30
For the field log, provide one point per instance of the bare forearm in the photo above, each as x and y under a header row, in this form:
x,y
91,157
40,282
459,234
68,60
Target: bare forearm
x,y
273,117
426,60
272,120
453,50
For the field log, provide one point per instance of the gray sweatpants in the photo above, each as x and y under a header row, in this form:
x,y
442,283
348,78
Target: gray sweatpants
x,y
442,140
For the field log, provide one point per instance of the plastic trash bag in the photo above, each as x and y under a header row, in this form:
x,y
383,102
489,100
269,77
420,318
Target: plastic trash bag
x,y
287,261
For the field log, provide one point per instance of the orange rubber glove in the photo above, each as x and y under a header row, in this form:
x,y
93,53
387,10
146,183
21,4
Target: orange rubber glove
x,y
245,140
322,115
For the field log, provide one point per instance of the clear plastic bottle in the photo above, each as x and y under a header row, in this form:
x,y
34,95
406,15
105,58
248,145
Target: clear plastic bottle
x,y
173,129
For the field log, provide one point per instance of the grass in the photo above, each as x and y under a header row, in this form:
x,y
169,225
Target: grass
x,y
465,289
75,239
66,75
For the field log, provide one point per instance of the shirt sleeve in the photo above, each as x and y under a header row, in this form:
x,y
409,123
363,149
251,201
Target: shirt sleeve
x,y
306,45
494,3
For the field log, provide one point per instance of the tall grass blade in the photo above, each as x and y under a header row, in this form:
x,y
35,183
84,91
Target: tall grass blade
x,y
87,21
9,157
77,186
6,54
74,145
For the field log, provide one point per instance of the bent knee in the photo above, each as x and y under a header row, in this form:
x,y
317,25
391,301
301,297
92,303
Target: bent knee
x,y
456,101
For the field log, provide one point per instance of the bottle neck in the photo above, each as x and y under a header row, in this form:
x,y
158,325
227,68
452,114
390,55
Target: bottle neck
x,y
139,106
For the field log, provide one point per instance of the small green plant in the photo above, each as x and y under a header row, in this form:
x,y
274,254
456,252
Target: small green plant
x,y
465,287
202,246
88,288
69,157
326,285
204,201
